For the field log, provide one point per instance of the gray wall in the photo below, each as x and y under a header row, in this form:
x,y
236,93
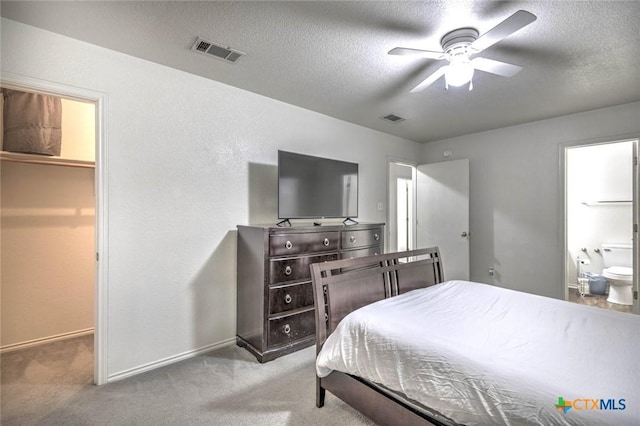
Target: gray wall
x,y
515,202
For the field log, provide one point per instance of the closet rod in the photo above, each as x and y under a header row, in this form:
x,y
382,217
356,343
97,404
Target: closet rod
x,y
50,161
600,202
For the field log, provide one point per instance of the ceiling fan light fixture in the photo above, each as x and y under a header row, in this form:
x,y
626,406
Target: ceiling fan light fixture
x,y
459,73
462,43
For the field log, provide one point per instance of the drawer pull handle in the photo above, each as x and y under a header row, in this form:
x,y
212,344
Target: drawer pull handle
x,y
352,239
287,298
286,329
288,245
326,242
287,270
376,237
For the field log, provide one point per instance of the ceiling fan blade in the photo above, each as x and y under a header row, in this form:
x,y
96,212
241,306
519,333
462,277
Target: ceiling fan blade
x,y
430,80
405,51
513,23
496,67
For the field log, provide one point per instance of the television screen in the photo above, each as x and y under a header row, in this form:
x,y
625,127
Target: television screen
x,y
314,187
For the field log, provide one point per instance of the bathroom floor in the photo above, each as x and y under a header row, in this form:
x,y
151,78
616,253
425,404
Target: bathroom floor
x,y
597,301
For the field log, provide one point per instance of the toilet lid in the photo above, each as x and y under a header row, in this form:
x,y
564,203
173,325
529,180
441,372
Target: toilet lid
x,y
618,272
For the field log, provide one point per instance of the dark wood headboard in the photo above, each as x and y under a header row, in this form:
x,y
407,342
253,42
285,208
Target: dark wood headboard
x,y
342,286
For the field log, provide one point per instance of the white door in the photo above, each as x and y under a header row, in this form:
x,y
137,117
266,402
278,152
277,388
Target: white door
x,y
442,212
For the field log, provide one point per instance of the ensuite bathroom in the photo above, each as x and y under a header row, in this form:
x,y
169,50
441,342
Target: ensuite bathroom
x,y
599,214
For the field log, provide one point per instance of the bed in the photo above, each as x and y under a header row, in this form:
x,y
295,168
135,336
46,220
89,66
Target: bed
x,y
403,346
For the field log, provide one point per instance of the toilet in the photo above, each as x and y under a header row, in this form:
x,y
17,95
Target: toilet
x,y
618,261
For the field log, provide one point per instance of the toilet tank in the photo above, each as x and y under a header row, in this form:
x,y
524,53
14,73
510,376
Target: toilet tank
x,y
617,255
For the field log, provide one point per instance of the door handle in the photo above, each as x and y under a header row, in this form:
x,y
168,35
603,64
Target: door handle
x,y
464,234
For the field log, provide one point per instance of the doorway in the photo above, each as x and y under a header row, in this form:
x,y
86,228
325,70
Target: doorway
x,y
99,102
600,201
401,207
430,207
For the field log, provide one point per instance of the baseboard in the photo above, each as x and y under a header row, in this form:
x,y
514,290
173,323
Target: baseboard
x,y
45,340
170,360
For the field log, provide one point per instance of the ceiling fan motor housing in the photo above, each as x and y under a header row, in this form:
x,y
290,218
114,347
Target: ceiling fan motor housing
x,y
458,42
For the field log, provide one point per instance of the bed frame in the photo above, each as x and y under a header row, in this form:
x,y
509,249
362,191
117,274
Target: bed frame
x,y
343,286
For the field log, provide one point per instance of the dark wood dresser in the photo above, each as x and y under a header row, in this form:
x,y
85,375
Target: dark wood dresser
x,y
275,312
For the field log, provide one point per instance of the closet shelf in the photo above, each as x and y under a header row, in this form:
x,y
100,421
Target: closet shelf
x,y
43,159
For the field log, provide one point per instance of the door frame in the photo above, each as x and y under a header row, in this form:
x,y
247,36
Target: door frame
x,y
564,147
391,203
100,100
415,229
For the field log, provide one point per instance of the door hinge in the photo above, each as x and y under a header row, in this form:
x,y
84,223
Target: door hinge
x,y
635,161
97,256
635,294
635,227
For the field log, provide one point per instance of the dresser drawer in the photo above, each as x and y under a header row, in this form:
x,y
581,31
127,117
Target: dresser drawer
x,y
295,268
290,297
312,242
352,254
290,328
363,238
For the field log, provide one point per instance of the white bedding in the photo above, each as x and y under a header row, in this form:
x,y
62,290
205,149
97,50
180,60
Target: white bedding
x,y
480,354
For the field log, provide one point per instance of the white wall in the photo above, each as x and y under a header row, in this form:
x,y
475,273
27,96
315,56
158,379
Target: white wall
x,y
515,210
188,160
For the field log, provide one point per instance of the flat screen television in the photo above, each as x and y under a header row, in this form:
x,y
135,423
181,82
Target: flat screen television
x,y
314,187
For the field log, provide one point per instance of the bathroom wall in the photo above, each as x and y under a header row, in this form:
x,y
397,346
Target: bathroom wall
x,y
47,225
595,174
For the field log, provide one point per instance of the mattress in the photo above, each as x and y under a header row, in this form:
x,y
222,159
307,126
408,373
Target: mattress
x,y
483,355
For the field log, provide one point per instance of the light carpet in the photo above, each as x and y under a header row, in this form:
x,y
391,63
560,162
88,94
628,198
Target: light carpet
x,y
52,385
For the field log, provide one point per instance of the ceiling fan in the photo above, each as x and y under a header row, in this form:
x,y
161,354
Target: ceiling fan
x,y
459,45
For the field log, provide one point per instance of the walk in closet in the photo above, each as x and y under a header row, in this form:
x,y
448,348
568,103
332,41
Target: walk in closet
x,y
48,231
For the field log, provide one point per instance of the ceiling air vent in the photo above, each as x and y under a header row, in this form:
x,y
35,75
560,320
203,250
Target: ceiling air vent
x,y
392,118
225,53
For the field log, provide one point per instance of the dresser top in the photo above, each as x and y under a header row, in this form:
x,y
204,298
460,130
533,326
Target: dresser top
x,y
309,226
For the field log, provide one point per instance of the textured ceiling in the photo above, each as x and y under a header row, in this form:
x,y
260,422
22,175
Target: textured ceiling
x,y
331,57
